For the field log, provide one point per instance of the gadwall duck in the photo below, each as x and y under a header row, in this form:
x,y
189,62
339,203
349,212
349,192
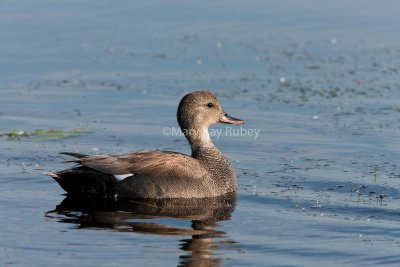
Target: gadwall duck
x,y
161,174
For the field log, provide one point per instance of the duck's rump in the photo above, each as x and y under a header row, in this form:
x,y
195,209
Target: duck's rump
x,y
82,180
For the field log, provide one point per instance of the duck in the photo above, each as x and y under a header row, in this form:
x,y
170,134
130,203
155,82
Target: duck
x,y
160,174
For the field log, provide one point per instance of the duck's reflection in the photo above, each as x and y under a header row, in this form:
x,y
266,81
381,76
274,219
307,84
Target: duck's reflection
x,y
152,217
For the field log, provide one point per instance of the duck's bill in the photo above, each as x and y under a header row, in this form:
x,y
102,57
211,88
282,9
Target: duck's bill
x,y
231,120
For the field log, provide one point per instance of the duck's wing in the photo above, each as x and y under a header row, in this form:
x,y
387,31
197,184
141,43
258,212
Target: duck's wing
x,y
107,164
155,163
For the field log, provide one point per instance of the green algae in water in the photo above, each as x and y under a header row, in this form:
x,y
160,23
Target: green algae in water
x,y
52,133
46,133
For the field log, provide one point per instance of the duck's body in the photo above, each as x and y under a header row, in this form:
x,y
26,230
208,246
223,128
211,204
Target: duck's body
x,y
161,174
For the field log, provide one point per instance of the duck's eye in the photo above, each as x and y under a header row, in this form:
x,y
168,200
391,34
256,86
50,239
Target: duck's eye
x,y
210,105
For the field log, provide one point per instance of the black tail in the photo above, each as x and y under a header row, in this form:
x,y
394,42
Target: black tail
x,y
85,181
73,154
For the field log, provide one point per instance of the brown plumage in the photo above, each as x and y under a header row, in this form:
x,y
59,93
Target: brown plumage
x,y
161,174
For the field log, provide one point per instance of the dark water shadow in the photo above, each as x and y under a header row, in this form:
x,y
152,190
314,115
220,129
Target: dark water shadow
x,y
157,217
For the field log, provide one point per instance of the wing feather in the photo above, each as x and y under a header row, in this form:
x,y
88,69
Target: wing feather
x,y
156,163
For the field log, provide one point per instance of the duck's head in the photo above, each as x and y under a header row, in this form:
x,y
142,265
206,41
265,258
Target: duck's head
x,y
199,110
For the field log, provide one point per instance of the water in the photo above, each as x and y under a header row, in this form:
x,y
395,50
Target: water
x,y
319,184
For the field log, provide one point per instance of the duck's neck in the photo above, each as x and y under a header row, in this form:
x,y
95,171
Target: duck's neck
x,y
201,144
199,139
213,160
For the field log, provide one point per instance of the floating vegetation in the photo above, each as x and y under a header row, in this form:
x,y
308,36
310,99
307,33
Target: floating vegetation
x,y
45,133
